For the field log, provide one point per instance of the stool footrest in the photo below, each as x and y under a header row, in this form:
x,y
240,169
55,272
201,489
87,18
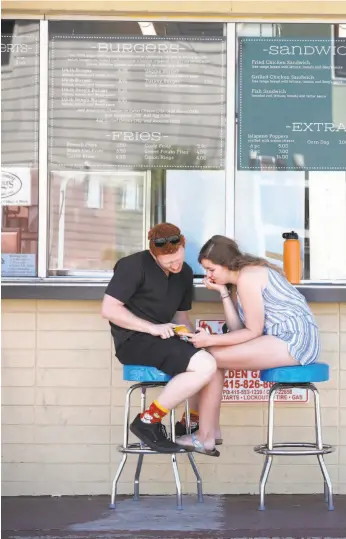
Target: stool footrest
x,y
294,448
141,449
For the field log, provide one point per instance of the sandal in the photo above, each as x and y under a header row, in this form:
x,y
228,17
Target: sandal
x,y
192,442
180,430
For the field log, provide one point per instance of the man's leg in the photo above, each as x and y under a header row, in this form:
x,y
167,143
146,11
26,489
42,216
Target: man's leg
x,y
180,426
147,426
199,372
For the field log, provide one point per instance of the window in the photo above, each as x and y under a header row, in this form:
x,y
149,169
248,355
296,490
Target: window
x,y
19,148
291,172
136,136
135,117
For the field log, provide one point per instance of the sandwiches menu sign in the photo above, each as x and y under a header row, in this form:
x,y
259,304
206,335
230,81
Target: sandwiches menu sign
x,y
292,104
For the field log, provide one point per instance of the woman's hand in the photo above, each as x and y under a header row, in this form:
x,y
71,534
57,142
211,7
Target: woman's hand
x,y
221,288
200,339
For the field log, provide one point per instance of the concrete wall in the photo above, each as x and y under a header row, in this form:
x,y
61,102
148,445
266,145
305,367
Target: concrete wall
x,y
62,412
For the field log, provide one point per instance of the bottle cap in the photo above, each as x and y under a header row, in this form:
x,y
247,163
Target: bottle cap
x,y
290,235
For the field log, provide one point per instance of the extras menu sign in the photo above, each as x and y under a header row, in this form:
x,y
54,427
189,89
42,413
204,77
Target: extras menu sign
x,y
292,106
140,102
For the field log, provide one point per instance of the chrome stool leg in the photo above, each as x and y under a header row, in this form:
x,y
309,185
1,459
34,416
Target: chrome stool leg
x,y
125,442
269,459
187,417
327,484
263,480
140,457
328,489
174,462
191,457
116,479
136,481
198,478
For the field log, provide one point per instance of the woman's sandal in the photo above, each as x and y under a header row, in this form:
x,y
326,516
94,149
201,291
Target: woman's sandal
x,y
199,448
192,442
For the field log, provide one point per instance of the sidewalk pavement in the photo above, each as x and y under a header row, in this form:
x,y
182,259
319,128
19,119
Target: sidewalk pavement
x,y
156,517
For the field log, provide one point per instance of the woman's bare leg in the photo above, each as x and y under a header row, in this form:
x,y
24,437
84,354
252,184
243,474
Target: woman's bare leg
x,y
193,403
265,352
209,409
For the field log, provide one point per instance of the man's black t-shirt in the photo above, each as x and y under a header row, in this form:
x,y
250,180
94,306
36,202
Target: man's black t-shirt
x,y
147,292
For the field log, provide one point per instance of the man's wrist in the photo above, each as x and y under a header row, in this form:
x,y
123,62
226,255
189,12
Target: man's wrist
x,y
147,327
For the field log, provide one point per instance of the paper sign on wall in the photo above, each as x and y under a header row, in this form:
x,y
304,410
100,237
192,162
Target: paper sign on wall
x,y
18,265
246,386
15,187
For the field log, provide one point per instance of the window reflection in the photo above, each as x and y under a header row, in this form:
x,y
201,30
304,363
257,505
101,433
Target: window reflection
x,y
19,148
95,219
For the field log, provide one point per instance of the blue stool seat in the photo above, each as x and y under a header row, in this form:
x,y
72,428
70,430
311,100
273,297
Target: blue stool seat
x,y
139,373
315,372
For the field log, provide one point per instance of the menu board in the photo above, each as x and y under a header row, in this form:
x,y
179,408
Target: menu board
x,y
292,113
137,102
19,93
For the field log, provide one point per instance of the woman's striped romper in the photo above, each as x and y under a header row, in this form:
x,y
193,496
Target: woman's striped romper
x,y
288,317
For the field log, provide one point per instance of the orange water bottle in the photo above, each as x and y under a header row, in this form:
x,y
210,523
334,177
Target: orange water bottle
x,y
292,262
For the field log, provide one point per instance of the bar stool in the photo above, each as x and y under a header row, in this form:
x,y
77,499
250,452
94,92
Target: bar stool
x,y
295,377
146,378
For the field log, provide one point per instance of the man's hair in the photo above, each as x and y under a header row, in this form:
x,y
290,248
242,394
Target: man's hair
x,y
164,230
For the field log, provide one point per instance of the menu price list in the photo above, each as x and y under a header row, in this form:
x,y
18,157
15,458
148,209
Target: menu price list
x,y
291,115
139,102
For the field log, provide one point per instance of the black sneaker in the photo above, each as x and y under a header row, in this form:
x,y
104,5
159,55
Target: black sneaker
x,y
180,429
154,435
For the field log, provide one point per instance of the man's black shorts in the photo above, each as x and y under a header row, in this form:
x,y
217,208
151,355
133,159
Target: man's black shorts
x,y
170,356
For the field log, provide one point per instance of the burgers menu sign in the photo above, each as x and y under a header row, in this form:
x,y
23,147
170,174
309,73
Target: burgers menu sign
x,y
141,102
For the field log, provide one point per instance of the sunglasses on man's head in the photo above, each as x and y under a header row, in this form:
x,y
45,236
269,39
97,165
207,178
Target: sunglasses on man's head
x,y
160,242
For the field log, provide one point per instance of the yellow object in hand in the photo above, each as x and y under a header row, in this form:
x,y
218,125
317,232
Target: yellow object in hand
x,y
180,330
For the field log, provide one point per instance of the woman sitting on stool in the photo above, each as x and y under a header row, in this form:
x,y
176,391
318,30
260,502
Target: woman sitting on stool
x,y
270,325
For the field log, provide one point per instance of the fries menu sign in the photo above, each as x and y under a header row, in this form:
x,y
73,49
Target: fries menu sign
x,y
245,386
139,102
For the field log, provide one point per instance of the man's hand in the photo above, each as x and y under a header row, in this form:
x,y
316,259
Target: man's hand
x,y
165,331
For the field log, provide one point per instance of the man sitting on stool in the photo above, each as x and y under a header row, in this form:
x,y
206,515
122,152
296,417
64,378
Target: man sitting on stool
x,y
147,291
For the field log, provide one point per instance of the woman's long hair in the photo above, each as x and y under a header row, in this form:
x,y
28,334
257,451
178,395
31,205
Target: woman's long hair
x,y
225,252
